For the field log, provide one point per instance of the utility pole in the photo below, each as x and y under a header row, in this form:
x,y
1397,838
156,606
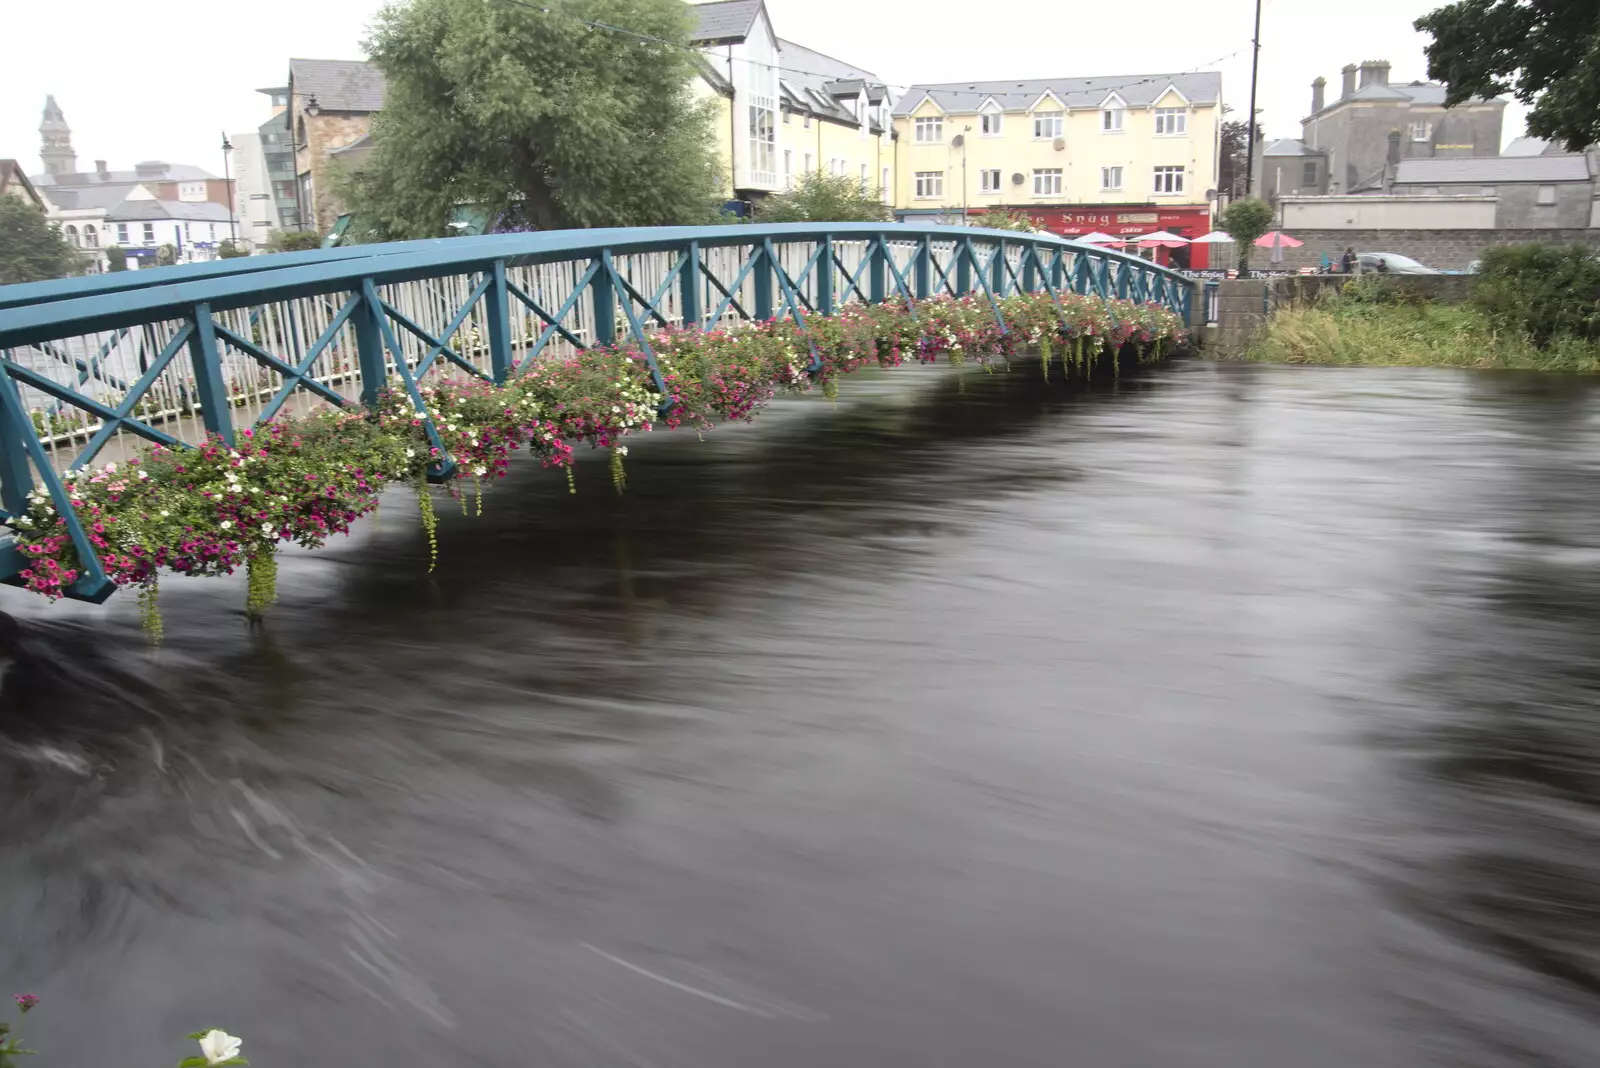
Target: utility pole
x,y
227,180
1250,119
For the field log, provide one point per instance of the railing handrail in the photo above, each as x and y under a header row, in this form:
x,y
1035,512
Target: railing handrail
x,y
247,281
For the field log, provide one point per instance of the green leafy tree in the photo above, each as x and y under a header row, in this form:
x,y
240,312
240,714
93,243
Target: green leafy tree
x,y
820,197
229,249
31,246
293,240
1005,219
1543,291
1546,54
503,105
116,258
1245,220
166,255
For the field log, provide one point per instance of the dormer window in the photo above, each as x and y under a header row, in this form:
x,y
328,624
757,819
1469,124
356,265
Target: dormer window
x,y
1047,125
1111,120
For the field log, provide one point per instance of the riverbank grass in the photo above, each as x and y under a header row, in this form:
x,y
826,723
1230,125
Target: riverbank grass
x,y
1350,334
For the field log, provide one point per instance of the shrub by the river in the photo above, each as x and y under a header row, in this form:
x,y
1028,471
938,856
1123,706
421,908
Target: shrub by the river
x,y
219,507
1546,292
217,1048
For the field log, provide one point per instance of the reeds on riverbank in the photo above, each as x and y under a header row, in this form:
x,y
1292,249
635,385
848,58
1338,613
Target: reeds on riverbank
x,y
1354,334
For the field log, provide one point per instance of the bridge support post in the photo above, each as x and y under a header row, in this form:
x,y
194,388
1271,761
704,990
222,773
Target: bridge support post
x,y
498,309
1058,270
924,269
877,271
369,349
825,270
762,277
603,300
689,287
963,268
1030,273
210,384
997,270
16,481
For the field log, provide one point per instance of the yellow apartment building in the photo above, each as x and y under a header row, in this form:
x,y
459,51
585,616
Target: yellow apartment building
x,y
784,109
1121,155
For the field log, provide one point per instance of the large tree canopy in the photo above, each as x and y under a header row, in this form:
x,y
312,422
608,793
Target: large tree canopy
x,y
502,105
1546,54
31,247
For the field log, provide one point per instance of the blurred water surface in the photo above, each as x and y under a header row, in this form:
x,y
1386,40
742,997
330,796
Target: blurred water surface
x,y
1230,716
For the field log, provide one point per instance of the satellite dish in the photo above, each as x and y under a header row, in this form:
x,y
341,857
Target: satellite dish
x,y
958,140
1060,144
1211,194
1017,179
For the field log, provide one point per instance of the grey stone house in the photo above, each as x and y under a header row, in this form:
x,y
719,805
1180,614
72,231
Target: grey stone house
x,y
1373,126
1532,192
1288,167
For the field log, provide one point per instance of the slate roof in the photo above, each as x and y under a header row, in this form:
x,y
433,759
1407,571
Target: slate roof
x,y
1489,170
12,177
338,84
1136,90
1428,94
1289,146
149,171
137,210
808,78
724,22
1529,146
108,195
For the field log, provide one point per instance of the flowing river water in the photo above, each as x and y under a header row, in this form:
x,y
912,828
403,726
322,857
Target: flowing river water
x,y
1227,716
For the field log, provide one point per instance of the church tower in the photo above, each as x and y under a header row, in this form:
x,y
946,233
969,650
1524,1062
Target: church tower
x,y
55,140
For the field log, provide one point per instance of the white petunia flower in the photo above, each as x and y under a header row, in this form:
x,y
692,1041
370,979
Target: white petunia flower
x,y
219,1046
226,525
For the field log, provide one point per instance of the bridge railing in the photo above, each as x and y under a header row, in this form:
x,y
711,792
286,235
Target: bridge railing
x,y
93,369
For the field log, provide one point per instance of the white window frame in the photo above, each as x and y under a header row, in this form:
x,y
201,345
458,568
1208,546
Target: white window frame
x,y
928,129
788,167
863,177
1545,196
1112,120
928,185
1107,174
122,233
1172,122
1422,130
1048,125
883,188
1047,181
991,124
149,233
1309,175
1168,181
984,183
808,163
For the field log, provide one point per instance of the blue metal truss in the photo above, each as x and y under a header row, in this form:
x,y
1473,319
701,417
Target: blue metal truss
x,y
123,314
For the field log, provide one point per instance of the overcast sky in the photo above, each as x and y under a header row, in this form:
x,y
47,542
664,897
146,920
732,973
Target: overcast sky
x,y
138,83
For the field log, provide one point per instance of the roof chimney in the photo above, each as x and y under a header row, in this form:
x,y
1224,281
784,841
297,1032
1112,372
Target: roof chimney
x,y
1374,72
1318,92
100,169
1349,88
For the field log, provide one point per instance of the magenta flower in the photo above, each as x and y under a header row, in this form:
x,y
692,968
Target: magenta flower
x,y
25,1001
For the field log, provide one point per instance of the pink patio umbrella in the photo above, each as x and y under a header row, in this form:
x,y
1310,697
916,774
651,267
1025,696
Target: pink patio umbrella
x,y
1162,239
1277,242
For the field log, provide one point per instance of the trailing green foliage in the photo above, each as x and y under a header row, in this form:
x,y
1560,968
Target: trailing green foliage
x,y
820,197
1365,332
1245,220
213,509
1547,292
116,258
31,246
523,106
1546,53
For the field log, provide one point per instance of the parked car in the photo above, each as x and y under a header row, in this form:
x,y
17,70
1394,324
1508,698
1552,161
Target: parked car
x,y
1393,263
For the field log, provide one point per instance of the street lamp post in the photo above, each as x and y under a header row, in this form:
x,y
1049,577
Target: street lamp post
x,y
227,178
1250,119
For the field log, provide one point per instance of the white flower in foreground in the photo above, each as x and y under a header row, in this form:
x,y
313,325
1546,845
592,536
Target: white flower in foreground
x,y
269,530
226,525
219,1046
111,469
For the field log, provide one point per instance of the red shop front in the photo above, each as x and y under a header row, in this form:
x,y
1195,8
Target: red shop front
x,y
1127,221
